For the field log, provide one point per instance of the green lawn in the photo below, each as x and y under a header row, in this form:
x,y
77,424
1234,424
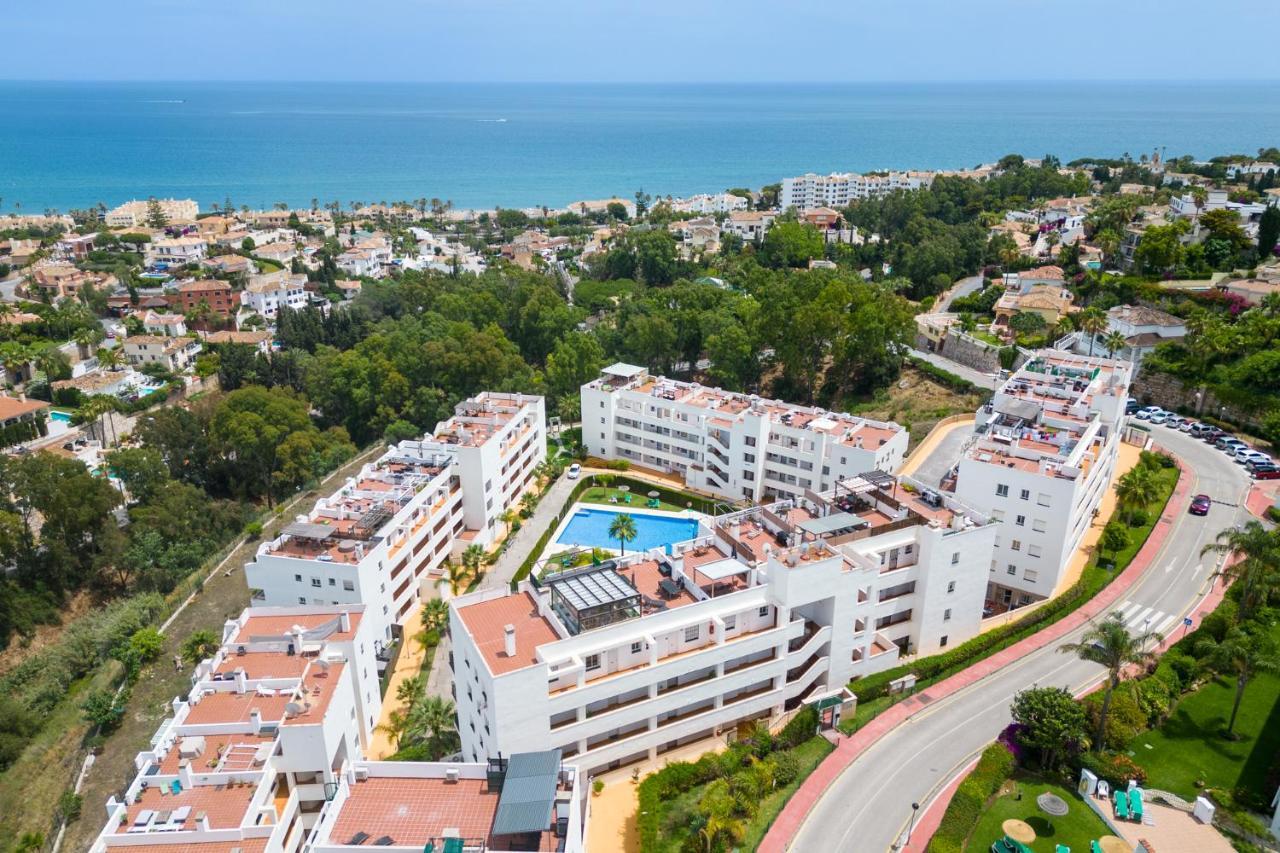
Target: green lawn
x,y
1189,747
600,495
1076,830
810,754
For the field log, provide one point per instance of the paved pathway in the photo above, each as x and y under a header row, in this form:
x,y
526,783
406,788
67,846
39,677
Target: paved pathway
x,y
937,732
963,287
934,458
531,529
977,377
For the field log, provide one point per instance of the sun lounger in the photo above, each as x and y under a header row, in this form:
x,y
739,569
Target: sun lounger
x,y
1135,804
1122,805
180,815
1062,848
1095,847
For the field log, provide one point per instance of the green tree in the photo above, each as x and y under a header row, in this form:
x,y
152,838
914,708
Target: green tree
x,y
1255,571
1244,652
1027,323
623,528
156,217
142,470
790,244
198,645
1160,248
1109,643
1269,231
1052,720
735,361
102,708
1093,322
1136,489
1114,342
1114,537
575,361
435,615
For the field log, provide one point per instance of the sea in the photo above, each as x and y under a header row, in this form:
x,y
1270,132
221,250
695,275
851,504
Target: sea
x,y
66,145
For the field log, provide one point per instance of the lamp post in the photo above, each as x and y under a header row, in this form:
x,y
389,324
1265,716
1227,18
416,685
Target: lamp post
x,y
915,807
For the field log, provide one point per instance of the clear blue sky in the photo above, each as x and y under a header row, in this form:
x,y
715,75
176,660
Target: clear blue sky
x,y
641,40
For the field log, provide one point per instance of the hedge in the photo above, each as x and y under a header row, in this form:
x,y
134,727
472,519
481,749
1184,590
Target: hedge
x,y
946,377
970,799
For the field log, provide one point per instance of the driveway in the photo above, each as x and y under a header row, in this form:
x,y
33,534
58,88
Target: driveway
x,y
977,377
963,287
939,459
868,804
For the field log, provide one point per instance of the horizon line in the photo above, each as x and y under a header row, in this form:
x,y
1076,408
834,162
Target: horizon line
x,y
551,82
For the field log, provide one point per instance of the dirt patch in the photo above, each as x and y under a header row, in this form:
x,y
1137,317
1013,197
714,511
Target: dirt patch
x,y
20,648
917,402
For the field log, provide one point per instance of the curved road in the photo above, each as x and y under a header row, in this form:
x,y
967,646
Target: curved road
x,y
867,807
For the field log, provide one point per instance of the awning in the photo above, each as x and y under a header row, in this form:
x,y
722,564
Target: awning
x,y
528,793
308,530
833,523
721,569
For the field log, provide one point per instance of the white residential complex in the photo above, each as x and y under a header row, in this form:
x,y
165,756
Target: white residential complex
x,y
134,213
378,540
704,203
1041,461
265,755
770,608
738,446
267,294
839,189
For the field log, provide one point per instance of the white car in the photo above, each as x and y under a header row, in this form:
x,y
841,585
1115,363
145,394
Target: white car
x,y
574,470
1175,421
1248,454
1188,425
1144,414
1159,417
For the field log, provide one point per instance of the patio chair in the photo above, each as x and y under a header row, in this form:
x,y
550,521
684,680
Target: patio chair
x,y
1135,804
1095,847
1062,848
1122,805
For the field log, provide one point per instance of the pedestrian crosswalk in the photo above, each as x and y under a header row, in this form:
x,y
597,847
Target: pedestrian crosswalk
x,y
1139,619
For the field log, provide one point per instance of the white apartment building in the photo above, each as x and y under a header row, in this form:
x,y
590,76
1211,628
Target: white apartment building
x,y
769,609
750,225
840,189
735,445
1042,458
380,539
267,294
267,729
134,213
175,354
177,251
266,754
710,203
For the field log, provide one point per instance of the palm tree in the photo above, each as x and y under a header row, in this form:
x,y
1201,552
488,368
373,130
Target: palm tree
x,y
1257,569
1063,327
50,361
435,615
623,529
110,358
1109,643
1136,489
455,576
410,690
432,722
717,806
508,518
1246,650
1114,342
472,557
1092,322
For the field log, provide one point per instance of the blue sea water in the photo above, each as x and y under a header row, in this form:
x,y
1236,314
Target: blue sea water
x,y
66,145
590,528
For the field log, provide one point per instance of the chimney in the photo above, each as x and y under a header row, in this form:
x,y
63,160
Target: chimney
x,y
509,632
344,622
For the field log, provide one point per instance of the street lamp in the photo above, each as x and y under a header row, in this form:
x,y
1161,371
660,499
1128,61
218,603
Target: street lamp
x,y
915,807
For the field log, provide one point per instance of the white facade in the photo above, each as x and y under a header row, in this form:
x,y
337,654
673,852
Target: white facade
x,y
734,445
839,189
379,539
267,294
758,627
750,225
704,203
175,354
1142,328
177,251
134,213
1042,459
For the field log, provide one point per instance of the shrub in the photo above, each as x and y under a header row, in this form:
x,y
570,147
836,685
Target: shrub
x,y
69,805
1116,768
799,729
253,529
786,768
970,799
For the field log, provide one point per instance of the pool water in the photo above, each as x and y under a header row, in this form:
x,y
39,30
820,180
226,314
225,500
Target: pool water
x,y
590,528
55,415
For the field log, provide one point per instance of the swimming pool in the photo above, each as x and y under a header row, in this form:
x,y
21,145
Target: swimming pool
x,y
56,415
590,528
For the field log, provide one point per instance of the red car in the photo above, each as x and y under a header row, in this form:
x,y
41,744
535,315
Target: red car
x,y
1266,472
1200,505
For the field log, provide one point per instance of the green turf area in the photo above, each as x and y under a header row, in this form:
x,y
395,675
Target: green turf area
x,y
1190,746
599,495
1075,830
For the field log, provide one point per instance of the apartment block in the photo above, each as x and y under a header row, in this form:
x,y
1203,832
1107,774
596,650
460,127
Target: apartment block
x,y
767,609
381,537
249,757
1042,458
735,445
267,294
134,213
840,189
266,754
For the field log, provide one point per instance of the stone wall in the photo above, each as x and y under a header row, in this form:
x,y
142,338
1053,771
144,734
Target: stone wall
x,y
969,351
1160,389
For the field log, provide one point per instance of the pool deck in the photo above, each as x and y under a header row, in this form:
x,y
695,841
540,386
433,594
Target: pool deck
x,y
555,546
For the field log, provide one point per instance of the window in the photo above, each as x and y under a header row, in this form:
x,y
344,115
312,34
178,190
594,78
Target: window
x,y
1025,495
955,557
1038,525
1012,569
951,586
908,549
349,586
333,581
302,599
637,647
730,622
1002,491
764,611
1021,521
751,441
1016,545
1031,575
315,581
943,641
1042,499
1034,550
298,578
691,633
593,662
748,457
946,615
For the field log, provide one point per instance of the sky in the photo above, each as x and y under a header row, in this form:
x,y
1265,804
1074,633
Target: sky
x,y
639,41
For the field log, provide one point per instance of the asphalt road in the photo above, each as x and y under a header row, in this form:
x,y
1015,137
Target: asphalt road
x,y
963,287
867,807
977,377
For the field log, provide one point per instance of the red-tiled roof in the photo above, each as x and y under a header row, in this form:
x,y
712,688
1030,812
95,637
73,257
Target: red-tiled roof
x,y
486,622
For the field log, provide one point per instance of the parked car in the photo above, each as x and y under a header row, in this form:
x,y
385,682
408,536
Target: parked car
x,y
1200,505
1212,434
1145,413
1175,421
1248,454
1201,431
1265,472
1160,417
574,470
1131,406
1229,444
1254,462
1188,425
